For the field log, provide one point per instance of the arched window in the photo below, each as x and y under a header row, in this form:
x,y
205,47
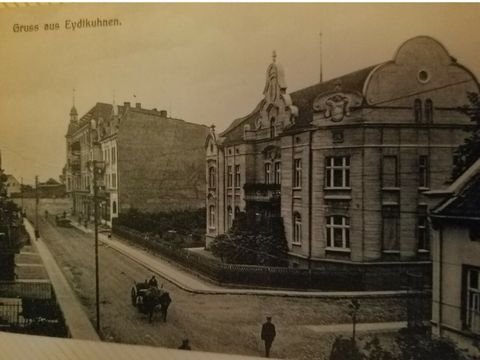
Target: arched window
x,y
273,131
237,211
417,110
428,111
114,207
297,229
229,217
211,177
211,216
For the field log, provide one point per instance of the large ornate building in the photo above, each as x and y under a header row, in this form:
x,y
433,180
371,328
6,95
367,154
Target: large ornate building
x,y
345,162
152,162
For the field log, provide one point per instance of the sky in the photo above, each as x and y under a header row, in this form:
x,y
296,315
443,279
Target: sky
x,y
204,63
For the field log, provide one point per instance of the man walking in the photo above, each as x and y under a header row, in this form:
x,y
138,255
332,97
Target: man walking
x,y
268,335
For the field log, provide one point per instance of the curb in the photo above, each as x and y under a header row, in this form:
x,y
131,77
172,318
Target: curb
x,y
280,293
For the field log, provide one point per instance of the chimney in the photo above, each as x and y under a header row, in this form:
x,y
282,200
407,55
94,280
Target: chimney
x,y
163,113
126,104
138,105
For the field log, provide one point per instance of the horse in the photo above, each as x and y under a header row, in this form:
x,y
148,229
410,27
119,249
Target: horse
x,y
151,299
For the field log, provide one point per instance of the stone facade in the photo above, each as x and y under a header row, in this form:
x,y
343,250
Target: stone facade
x,y
354,155
151,162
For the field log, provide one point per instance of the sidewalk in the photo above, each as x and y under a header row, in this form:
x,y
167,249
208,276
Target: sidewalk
x,y
194,284
77,321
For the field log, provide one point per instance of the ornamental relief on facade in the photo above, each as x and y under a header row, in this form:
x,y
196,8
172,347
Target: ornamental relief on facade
x,y
336,106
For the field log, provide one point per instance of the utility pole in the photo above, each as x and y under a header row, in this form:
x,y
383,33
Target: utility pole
x,y
37,233
95,214
96,168
21,192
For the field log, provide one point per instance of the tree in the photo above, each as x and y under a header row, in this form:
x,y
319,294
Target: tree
x,y
250,244
467,153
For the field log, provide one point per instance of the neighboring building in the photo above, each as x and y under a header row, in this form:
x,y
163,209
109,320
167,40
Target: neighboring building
x,y
152,162
456,261
13,186
345,162
51,189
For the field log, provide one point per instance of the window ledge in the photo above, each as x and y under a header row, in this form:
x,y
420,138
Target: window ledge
x,y
423,251
296,188
390,203
395,188
423,188
391,251
337,197
296,244
337,188
335,249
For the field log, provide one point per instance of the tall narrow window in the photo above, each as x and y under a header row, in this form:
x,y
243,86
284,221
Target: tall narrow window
x,y
417,110
229,176
114,207
389,172
229,217
211,177
237,176
423,176
211,216
268,173
423,241
472,301
428,111
273,130
278,173
390,233
113,155
338,232
297,229
337,172
297,180
114,181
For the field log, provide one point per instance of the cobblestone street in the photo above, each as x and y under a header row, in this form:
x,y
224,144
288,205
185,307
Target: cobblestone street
x,y
216,323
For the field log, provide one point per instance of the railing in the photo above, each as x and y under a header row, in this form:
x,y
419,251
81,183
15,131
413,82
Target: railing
x,y
41,289
262,192
346,278
32,316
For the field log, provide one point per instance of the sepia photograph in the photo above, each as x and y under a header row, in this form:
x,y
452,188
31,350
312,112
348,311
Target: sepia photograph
x,y
240,180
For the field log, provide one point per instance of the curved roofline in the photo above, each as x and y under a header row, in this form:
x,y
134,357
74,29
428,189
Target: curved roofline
x,y
421,37
368,78
453,63
463,67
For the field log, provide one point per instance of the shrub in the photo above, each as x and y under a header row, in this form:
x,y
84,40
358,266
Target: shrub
x,y
250,244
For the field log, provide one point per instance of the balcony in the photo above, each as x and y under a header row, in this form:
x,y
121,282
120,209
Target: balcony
x,y
257,192
74,164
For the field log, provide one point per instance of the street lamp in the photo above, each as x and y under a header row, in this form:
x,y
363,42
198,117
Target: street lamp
x,y
97,168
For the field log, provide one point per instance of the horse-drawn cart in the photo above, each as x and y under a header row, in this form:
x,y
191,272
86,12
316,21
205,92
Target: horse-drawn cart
x,y
149,299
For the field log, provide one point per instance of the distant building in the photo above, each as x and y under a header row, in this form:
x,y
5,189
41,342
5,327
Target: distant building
x,y
51,189
153,162
13,186
456,261
345,162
